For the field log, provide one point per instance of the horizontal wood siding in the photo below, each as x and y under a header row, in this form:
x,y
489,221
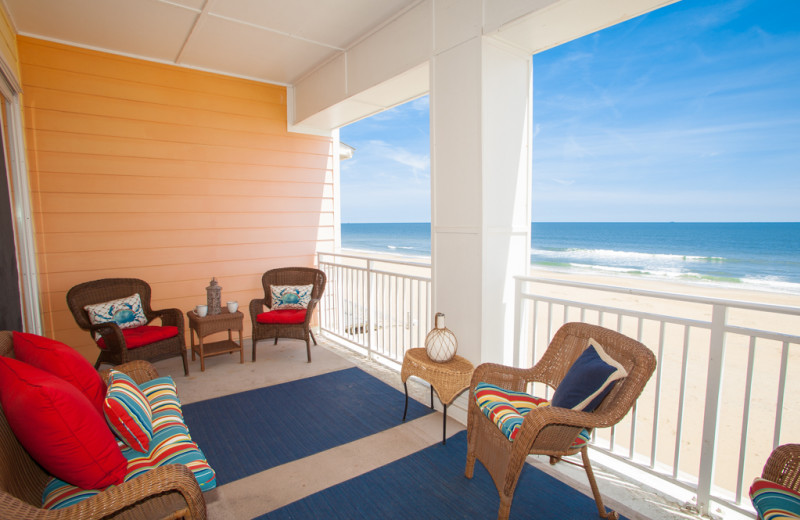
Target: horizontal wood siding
x,y
167,174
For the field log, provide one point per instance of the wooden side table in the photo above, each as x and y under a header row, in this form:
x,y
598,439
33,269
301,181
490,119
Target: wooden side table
x,y
210,324
449,379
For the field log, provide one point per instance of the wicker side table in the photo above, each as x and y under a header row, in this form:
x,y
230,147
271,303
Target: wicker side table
x,y
210,324
449,379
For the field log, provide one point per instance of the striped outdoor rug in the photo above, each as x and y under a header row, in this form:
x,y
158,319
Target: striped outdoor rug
x,y
245,433
430,484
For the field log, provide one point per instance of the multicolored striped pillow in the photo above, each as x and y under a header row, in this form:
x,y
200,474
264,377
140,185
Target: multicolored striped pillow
x,y
128,412
507,409
774,501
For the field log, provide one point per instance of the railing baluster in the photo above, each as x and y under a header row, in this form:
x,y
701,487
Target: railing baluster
x,y
681,402
657,403
781,395
748,388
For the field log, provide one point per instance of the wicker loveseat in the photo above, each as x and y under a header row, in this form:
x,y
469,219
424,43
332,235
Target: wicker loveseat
x,y
169,491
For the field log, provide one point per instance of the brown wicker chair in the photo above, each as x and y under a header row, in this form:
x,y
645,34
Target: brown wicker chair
x,y
169,491
287,276
783,466
551,430
116,351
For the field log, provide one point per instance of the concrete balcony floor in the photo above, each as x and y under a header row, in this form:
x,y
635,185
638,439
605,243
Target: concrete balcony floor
x,y
276,487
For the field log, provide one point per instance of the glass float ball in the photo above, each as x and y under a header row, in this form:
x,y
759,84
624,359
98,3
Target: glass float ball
x,y
441,343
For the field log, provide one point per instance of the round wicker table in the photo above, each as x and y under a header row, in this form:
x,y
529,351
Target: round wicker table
x,y
449,379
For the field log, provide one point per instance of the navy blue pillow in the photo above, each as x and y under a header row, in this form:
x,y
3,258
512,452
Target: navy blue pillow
x,y
590,378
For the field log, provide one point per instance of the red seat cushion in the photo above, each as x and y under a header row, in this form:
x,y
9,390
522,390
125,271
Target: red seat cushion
x,y
144,335
59,427
283,316
63,361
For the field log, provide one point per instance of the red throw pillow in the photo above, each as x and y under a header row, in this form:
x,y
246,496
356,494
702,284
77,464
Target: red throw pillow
x,y
63,361
59,427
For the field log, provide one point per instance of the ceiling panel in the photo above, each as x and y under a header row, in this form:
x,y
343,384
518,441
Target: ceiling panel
x,y
333,22
150,29
220,44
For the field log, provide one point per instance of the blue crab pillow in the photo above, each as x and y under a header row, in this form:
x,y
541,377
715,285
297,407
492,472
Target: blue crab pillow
x,y
290,296
125,312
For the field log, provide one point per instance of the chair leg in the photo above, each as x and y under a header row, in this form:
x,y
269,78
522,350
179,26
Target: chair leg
x,y
185,363
308,350
505,507
254,349
601,509
276,340
312,336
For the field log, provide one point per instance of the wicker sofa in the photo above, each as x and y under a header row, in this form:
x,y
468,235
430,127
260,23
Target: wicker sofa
x,y
168,491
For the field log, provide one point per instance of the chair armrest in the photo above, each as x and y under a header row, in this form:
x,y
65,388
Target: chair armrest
x,y
112,335
312,304
510,378
139,370
169,317
257,307
164,479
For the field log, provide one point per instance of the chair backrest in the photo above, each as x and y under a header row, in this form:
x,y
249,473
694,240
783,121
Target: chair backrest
x,y
573,338
783,466
107,289
20,475
294,276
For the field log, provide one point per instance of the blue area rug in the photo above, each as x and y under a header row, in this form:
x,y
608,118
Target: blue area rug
x,y
430,484
245,433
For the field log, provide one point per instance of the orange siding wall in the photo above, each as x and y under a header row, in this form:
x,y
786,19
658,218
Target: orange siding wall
x,y
166,174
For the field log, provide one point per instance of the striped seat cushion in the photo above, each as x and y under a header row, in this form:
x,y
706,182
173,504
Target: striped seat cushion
x,y
774,501
171,444
507,409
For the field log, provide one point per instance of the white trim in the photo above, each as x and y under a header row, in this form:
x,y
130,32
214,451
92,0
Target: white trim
x,y
26,249
151,60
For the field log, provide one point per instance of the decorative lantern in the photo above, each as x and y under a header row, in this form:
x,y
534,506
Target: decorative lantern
x,y
214,296
440,343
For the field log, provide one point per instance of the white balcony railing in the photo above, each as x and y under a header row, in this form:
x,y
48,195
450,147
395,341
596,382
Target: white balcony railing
x,y
723,395
380,307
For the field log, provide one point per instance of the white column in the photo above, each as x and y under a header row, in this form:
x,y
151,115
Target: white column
x,y
480,190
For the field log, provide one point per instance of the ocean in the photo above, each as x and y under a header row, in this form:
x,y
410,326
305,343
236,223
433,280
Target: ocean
x,y
762,256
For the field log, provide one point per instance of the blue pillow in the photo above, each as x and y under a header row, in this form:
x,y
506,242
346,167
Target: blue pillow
x,y
590,378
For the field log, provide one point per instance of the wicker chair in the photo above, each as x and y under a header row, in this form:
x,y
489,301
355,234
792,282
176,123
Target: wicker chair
x,y
552,430
287,276
169,491
116,351
783,466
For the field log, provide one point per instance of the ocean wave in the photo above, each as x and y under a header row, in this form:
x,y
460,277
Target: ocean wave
x,y
771,284
624,256
400,247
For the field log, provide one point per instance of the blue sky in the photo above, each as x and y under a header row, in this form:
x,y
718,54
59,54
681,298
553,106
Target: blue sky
x,y
689,113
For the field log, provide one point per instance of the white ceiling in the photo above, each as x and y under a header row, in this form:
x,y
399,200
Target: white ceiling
x,y
277,41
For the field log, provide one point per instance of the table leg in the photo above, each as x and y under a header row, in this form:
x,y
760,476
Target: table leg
x,y
405,386
444,425
431,397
